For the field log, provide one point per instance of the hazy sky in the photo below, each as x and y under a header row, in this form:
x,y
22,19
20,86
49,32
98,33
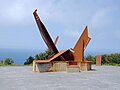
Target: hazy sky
x,y
65,18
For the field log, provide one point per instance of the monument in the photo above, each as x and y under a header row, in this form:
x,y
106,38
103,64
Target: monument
x,y
66,60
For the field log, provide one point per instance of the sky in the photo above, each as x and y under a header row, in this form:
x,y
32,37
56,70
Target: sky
x,y
64,18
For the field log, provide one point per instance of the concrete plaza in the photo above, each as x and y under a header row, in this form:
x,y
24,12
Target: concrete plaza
x,y
22,78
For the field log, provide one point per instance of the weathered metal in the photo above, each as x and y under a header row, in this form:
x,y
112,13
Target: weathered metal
x,y
56,40
98,60
80,46
45,35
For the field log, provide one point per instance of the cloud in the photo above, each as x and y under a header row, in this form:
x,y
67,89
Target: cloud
x,y
66,18
103,17
16,13
71,34
10,14
105,25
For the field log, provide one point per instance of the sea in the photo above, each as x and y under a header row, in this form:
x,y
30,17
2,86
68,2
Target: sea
x,y
18,55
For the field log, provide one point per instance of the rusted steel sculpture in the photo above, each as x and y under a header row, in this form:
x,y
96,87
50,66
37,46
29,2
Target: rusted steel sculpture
x,y
45,34
72,55
56,40
81,45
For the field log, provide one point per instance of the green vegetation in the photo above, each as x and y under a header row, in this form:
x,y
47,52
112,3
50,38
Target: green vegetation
x,y
111,59
107,59
29,60
42,56
6,61
90,58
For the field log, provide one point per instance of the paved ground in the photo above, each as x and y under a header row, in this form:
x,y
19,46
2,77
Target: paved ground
x,y
22,78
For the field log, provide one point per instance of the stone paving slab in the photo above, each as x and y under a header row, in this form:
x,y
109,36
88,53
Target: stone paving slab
x,y
22,78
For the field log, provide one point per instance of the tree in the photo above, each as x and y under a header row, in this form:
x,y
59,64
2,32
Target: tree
x,y
105,59
43,56
91,58
111,58
1,61
8,61
29,60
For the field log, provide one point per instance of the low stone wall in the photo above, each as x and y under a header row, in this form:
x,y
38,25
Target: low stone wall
x,y
51,66
61,66
73,68
42,67
85,66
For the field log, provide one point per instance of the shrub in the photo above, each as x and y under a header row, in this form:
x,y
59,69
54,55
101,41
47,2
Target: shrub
x,y
29,60
90,58
8,61
111,59
42,56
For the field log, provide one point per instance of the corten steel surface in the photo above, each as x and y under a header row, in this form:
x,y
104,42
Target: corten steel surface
x,y
77,53
80,46
53,58
56,40
45,34
98,60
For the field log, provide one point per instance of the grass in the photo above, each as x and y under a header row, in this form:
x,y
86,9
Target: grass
x,y
14,65
111,64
